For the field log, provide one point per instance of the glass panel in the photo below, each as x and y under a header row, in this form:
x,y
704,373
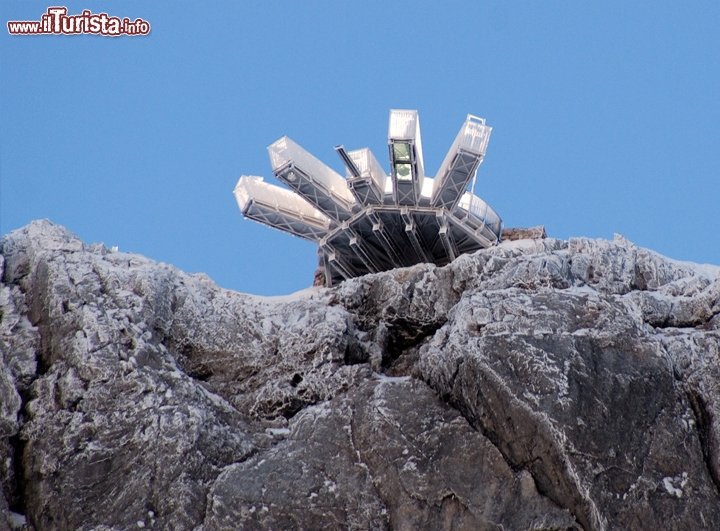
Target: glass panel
x,y
403,172
401,152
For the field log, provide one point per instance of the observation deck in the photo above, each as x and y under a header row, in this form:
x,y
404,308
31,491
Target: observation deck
x,y
370,221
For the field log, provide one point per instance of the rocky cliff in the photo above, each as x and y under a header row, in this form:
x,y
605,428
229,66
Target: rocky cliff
x,y
537,385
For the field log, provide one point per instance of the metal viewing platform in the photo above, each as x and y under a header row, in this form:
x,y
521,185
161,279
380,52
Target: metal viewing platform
x,y
369,221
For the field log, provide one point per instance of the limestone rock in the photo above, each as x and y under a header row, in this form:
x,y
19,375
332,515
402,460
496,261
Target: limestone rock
x,y
516,233
536,385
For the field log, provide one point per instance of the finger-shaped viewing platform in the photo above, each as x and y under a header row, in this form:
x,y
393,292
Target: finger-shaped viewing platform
x,y
312,179
406,160
280,208
461,163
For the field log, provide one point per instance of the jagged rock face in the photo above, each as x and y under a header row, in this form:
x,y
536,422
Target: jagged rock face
x,y
537,385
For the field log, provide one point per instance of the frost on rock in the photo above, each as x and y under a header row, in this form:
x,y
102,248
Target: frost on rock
x,y
538,384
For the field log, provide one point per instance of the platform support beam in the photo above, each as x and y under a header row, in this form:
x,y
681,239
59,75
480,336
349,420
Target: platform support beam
x,y
412,233
382,235
335,261
447,239
360,247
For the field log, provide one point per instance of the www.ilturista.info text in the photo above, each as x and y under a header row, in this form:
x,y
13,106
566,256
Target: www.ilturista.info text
x,y
57,21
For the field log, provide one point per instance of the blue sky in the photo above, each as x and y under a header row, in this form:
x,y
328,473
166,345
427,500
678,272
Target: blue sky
x,y
605,116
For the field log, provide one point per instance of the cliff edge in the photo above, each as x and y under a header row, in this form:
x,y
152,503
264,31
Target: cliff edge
x,y
536,385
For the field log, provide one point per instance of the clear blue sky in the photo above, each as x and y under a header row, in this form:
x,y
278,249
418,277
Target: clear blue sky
x,y
605,116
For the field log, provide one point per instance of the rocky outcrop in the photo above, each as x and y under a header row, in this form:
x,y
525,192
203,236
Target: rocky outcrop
x,y
533,233
536,385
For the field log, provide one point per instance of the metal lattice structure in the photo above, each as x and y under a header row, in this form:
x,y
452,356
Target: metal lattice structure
x,y
368,221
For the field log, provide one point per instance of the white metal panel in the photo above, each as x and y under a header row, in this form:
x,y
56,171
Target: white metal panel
x,y
474,135
427,187
404,124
